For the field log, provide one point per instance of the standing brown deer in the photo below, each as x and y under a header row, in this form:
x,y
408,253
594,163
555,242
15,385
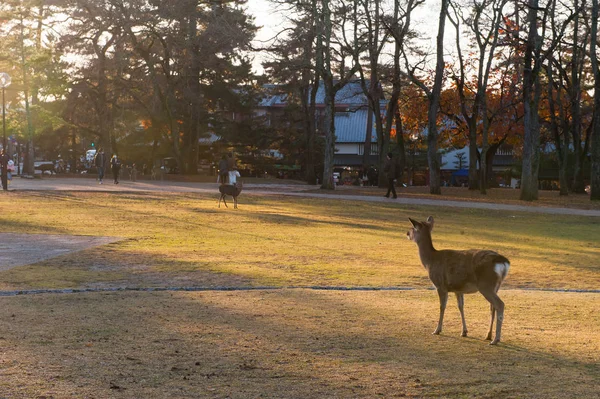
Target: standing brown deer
x,y
462,272
230,189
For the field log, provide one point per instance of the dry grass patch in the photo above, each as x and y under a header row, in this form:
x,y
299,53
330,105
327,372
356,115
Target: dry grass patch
x,y
183,239
295,344
290,343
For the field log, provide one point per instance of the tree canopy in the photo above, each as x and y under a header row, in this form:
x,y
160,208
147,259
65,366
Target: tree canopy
x,y
152,79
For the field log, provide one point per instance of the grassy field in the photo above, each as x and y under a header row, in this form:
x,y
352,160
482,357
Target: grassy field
x,y
290,343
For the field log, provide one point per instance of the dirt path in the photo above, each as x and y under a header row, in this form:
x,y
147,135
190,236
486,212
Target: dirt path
x,y
24,249
297,190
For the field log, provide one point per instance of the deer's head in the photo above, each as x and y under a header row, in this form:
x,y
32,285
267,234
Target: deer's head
x,y
238,186
420,230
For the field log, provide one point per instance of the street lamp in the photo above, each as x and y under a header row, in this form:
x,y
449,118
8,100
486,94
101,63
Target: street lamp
x,y
4,83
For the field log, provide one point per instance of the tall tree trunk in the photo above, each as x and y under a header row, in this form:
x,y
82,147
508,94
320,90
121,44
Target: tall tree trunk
x,y
562,141
329,122
383,141
434,104
489,160
368,136
393,116
193,128
474,155
30,155
531,139
324,62
483,171
105,116
472,118
595,139
400,145
309,103
38,46
575,95
374,44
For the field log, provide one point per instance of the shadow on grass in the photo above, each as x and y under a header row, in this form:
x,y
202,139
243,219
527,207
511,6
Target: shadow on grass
x,y
358,333
307,221
21,227
288,343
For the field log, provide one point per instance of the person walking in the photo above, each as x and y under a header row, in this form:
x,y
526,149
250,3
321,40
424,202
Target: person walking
x,y
233,175
390,171
10,169
133,173
231,162
100,163
223,170
115,165
4,158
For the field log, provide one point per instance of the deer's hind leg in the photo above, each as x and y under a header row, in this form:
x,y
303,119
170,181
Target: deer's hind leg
x,y
460,299
443,300
222,197
497,307
493,315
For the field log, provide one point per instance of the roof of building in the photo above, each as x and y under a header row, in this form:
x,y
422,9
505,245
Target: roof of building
x,y
351,94
274,96
350,117
351,127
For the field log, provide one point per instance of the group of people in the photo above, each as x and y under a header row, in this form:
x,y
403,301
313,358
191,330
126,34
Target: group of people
x,y
228,172
101,163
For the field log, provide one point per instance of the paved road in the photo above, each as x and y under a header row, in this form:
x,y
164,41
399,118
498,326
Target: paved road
x,y
88,184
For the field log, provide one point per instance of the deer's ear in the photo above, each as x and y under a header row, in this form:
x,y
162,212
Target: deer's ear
x,y
430,222
413,222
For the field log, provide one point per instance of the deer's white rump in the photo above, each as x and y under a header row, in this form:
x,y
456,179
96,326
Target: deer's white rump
x,y
462,272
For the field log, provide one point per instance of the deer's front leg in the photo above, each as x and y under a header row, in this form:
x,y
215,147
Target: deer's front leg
x,y
460,299
443,300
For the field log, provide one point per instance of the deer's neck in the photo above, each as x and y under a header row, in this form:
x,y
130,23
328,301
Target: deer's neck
x,y
427,252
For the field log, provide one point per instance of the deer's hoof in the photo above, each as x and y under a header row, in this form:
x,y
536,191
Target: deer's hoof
x,y
464,334
436,332
495,342
489,337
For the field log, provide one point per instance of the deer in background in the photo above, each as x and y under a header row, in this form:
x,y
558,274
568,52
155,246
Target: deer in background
x,y
462,272
230,189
